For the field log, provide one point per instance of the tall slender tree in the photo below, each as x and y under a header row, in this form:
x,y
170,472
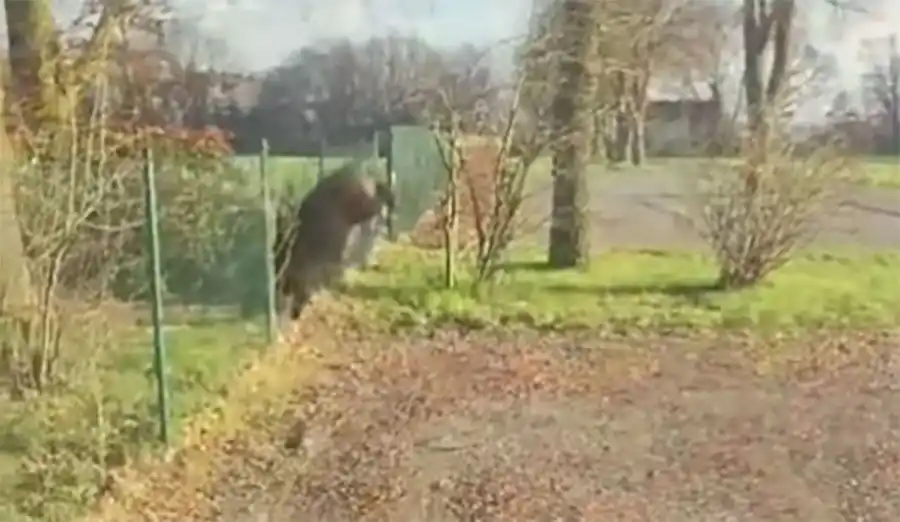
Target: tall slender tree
x,y
881,85
764,26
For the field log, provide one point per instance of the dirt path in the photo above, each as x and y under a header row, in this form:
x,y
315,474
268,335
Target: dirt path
x,y
528,426
647,210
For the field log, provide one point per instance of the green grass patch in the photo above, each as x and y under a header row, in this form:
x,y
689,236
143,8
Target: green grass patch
x,y
881,172
55,449
640,289
296,175
292,176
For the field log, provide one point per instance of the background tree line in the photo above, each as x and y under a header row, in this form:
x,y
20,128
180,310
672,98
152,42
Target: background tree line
x,y
339,90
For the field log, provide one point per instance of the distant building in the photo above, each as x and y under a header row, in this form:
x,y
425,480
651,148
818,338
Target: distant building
x,y
682,119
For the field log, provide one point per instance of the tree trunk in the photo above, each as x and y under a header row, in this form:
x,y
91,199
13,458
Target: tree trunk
x,y
753,51
599,150
569,228
638,143
31,34
16,293
639,85
894,85
759,25
895,126
623,141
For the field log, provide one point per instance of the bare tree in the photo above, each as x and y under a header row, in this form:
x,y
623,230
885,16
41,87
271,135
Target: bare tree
x,y
881,84
68,195
462,109
639,42
185,39
337,87
757,212
848,126
765,25
654,40
487,153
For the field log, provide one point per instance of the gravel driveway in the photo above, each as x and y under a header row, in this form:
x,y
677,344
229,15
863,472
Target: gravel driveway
x,y
647,210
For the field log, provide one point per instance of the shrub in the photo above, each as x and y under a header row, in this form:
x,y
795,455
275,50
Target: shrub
x,y
756,212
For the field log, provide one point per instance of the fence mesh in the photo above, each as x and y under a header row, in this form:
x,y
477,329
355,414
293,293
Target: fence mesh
x,y
221,271
212,252
420,174
100,355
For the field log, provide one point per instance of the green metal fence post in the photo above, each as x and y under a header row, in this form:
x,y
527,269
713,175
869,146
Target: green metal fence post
x,y
155,273
271,312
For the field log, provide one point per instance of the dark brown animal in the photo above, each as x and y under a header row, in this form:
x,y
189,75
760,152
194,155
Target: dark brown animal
x,y
309,249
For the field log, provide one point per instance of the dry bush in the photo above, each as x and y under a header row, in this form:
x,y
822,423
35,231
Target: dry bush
x,y
79,203
755,213
81,213
486,189
490,192
83,224
475,194
78,189
488,141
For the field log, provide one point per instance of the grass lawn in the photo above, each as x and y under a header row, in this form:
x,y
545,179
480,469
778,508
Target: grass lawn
x,y
882,172
54,449
289,174
640,289
295,175
874,172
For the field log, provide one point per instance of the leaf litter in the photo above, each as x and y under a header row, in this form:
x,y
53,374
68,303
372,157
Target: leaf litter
x,y
520,425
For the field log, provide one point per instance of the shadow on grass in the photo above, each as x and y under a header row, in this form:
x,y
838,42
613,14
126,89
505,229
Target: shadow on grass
x,y
375,292
693,290
544,266
527,266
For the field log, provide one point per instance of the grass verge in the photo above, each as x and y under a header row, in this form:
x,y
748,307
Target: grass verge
x,y
872,172
57,450
624,290
257,408
296,175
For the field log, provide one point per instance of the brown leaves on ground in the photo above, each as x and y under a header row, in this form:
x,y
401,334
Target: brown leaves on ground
x,y
475,193
547,427
538,426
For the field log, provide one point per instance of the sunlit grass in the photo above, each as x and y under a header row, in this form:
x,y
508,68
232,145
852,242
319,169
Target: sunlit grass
x,y
295,175
641,289
53,448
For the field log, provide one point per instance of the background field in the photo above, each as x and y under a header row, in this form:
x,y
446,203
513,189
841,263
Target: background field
x,y
644,207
